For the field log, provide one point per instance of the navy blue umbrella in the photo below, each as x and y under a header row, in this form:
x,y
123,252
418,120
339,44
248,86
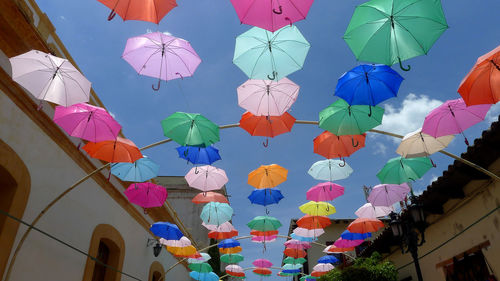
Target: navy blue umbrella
x,y
368,84
228,243
265,196
199,154
328,259
166,230
347,235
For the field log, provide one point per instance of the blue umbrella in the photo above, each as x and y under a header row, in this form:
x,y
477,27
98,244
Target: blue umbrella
x,y
199,154
139,171
291,271
166,230
228,243
265,196
301,238
347,235
210,276
328,259
368,84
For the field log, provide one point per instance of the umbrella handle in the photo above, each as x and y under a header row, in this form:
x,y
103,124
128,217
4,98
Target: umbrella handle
x,y
370,114
157,87
272,77
354,145
278,12
288,19
432,162
267,211
401,65
40,106
112,14
196,170
343,164
466,141
182,77
266,144
145,211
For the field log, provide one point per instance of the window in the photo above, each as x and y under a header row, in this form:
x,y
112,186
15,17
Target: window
x,y
471,267
156,272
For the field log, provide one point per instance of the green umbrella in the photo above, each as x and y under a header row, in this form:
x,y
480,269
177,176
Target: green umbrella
x,y
389,31
190,129
231,258
200,267
340,118
399,170
264,223
290,260
307,277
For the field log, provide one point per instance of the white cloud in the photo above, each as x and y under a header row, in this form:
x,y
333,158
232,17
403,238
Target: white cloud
x,y
433,179
164,32
62,17
379,148
492,115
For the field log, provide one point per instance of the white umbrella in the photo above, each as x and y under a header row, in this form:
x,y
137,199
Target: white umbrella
x,y
330,170
304,232
206,178
182,242
418,144
323,267
369,211
234,268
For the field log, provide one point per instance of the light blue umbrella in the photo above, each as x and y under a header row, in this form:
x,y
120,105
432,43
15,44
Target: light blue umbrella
x,y
140,171
289,266
301,238
216,213
266,55
330,170
210,276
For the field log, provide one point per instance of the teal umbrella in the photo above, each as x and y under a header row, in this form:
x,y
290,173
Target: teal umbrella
x,y
262,54
264,223
330,170
190,129
290,266
216,213
400,170
291,260
389,31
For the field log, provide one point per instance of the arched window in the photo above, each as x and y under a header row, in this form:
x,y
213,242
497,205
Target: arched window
x,y
14,192
156,272
108,247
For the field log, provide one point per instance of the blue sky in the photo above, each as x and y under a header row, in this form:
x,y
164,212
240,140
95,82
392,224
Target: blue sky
x,y
212,26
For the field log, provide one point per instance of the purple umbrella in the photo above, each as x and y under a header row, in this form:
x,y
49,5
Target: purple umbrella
x,y
341,243
161,56
387,194
325,191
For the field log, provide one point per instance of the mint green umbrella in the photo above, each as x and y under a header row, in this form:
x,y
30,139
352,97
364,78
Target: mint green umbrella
x,y
264,223
231,258
190,129
400,170
290,260
200,267
340,118
262,54
389,31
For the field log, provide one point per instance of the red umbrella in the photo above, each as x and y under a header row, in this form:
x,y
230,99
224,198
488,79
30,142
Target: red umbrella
x,y
295,253
332,146
313,222
222,235
318,274
267,126
365,225
262,271
206,197
264,233
114,151
145,10
335,249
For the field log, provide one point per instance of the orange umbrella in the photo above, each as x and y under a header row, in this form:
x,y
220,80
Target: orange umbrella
x,y
264,233
365,225
206,197
119,150
482,83
332,146
295,253
233,250
313,222
334,249
267,126
182,251
267,176
318,274
145,10
262,271
222,235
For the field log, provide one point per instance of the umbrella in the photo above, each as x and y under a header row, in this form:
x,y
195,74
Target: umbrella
x,y
341,243
323,267
200,267
317,208
302,238
294,253
206,197
267,126
418,144
267,97
206,178
334,249
266,196
340,118
231,258
222,235
372,212
179,243
141,170
234,268
204,257
262,263
304,232
297,244
290,266
328,259
347,235
330,170
333,146
87,122
50,78
311,222
190,129
290,260
199,154
400,170
119,150
216,213
209,276
262,271
233,250
264,233
161,56
265,55
308,278
146,194
166,230
388,194
364,225
368,84
326,191
184,252
318,273
228,243
480,86
453,117
264,239
144,10
264,223
267,176
227,226
388,31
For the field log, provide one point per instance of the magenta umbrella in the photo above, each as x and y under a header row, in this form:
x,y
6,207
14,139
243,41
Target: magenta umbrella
x,y
146,194
453,117
161,56
264,239
262,263
388,194
206,178
341,243
325,191
271,14
297,244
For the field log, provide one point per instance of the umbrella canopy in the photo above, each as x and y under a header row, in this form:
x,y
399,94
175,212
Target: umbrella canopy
x,y
289,260
317,208
297,244
308,278
334,249
326,191
206,197
183,242
388,31
388,194
204,257
184,252
199,154
222,235
364,225
328,259
399,170
209,276
290,266
341,243
87,122
200,267
166,230
264,239
231,258
234,268
264,223
318,273
228,243
261,54
333,146
206,178
267,176
146,194
347,235
340,118
190,129
50,78
267,97
418,144
480,86
119,150
262,263
233,250
302,238
304,232
143,10
262,271
141,170
311,222
267,126
372,212
216,213
368,84
264,233
323,267
330,170
265,196
227,226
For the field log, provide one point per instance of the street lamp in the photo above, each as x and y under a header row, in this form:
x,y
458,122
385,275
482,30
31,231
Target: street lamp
x,y
157,246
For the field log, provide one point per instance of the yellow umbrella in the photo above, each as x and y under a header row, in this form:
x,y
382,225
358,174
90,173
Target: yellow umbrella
x,y
267,176
233,250
317,208
182,251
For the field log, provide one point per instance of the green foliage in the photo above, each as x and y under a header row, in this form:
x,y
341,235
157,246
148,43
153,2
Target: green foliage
x,y
365,269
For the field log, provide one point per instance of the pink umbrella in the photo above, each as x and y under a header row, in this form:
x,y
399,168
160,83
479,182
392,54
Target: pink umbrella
x,y
388,194
234,268
182,242
341,243
206,178
323,267
262,263
87,122
146,194
297,244
370,211
453,117
161,56
264,239
270,14
316,232
225,227
325,191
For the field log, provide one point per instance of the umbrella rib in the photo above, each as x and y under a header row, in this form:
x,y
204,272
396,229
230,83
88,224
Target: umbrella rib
x,y
288,56
63,73
257,60
183,62
412,36
147,60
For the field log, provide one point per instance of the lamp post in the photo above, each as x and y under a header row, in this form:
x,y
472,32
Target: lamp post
x,y
157,246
